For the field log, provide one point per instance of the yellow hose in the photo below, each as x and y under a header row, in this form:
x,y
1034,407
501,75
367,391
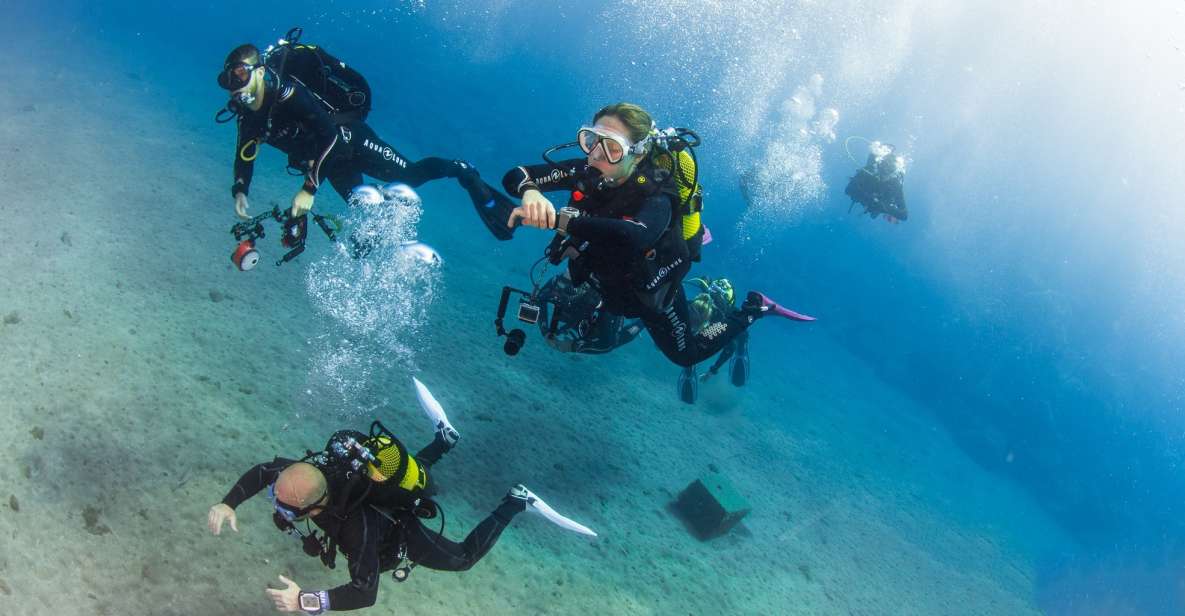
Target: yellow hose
x,y
243,150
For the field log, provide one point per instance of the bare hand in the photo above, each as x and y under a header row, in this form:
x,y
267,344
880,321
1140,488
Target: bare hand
x,y
218,514
301,203
285,599
535,211
241,205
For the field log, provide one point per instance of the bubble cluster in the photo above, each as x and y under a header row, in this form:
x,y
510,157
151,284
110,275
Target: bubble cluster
x,y
374,290
787,175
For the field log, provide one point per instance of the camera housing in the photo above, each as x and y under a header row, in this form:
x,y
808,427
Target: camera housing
x,y
294,229
528,312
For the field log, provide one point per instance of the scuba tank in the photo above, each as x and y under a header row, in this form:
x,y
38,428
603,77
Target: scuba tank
x,y
342,89
374,469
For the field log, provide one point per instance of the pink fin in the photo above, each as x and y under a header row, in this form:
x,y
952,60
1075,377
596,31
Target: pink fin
x,y
777,309
790,314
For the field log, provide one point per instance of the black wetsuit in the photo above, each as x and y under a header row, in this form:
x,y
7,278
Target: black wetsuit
x,y
339,149
374,542
728,351
631,258
879,187
721,304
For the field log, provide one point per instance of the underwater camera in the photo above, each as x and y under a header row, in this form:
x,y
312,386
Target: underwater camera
x,y
295,230
532,305
530,311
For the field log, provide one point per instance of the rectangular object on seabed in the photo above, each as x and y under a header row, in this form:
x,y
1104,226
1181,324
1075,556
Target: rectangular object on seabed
x,y
711,506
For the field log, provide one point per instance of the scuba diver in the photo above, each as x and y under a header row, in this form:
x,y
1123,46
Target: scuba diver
x,y
879,185
632,227
581,325
715,300
368,495
309,105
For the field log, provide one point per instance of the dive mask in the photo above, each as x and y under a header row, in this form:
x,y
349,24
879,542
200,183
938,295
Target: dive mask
x,y
289,512
235,75
614,146
723,288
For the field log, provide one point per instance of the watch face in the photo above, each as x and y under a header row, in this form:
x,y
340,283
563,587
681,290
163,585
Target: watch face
x,y
310,601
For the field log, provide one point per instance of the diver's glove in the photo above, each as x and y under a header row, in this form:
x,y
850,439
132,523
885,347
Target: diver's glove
x,y
241,205
302,203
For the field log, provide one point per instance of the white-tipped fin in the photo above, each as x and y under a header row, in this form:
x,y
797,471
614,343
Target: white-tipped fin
x,y
545,510
434,411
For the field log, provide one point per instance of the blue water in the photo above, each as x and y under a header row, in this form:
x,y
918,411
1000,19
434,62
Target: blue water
x,y
1030,305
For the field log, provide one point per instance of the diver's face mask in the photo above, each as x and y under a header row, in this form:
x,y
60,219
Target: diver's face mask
x,y
596,141
723,288
235,75
238,78
290,513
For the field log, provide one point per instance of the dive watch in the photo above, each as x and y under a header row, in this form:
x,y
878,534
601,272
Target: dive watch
x,y
314,602
563,217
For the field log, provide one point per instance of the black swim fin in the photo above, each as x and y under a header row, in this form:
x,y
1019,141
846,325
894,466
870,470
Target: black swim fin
x,y
738,366
688,385
492,206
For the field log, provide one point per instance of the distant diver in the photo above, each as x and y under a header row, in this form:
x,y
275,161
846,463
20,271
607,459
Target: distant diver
x,y
879,185
369,496
632,227
311,106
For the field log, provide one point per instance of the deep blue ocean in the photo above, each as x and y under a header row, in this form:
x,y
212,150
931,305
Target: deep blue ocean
x,y
1031,305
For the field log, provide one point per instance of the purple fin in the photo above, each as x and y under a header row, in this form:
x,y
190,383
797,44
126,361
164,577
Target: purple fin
x,y
777,309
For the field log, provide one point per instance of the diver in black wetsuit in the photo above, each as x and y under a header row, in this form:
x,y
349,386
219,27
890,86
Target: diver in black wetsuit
x,y
879,186
619,233
369,506
715,300
324,144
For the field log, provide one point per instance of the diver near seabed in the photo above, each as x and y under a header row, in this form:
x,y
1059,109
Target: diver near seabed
x,y
879,185
368,496
311,106
716,298
631,227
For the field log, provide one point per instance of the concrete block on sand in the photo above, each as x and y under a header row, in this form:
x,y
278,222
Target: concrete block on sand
x,y
711,506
